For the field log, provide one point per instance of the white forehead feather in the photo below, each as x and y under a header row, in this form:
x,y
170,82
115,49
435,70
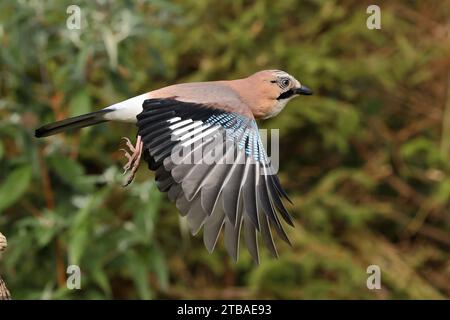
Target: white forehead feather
x,y
281,73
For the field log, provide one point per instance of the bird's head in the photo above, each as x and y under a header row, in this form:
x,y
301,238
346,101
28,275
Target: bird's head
x,y
272,90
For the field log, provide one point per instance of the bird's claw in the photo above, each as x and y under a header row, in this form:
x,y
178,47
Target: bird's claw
x,y
133,172
134,158
130,158
129,144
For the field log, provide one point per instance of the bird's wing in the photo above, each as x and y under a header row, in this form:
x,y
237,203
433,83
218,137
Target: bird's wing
x,y
213,165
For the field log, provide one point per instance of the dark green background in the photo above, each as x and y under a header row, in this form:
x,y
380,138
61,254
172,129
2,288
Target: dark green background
x,y
365,160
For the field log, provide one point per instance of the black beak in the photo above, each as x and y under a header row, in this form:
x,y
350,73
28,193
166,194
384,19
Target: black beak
x,y
303,90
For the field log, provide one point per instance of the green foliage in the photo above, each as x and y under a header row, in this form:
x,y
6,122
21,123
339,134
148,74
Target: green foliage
x,y
365,160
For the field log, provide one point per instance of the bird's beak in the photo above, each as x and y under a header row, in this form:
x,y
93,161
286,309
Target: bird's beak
x,y
303,90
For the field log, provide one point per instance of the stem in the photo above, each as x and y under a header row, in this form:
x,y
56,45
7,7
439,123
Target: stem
x,y
50,202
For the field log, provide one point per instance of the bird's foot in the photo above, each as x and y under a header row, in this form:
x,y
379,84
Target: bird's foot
x,y
134,158
130,157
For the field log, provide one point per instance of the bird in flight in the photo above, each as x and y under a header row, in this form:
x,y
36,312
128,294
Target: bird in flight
x,y
203,143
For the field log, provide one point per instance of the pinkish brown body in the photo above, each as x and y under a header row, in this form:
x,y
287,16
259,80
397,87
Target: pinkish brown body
x,y
256,96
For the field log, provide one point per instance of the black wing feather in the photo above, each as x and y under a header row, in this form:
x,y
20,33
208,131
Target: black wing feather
x,y
243,194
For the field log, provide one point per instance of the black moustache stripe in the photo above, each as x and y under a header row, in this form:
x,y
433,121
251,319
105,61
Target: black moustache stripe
x,y
286,94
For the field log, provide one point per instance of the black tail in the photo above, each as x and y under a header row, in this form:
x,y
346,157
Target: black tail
x,y
82,121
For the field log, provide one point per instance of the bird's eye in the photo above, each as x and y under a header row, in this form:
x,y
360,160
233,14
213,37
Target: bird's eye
x,y
284,83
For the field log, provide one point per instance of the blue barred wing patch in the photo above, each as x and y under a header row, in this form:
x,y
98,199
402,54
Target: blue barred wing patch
x,y
244,132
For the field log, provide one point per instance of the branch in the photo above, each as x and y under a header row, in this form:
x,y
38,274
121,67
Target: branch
x,y
4,292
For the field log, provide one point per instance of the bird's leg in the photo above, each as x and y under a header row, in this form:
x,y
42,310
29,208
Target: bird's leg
x,y
134,158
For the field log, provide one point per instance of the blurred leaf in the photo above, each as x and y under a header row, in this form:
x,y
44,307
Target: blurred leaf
x,y
80,103
14,186
161,269
68,170
139,273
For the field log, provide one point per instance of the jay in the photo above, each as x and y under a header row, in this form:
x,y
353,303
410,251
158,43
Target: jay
x,y
237,188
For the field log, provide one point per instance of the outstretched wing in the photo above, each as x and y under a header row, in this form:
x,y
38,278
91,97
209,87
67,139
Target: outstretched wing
x,y
213,165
